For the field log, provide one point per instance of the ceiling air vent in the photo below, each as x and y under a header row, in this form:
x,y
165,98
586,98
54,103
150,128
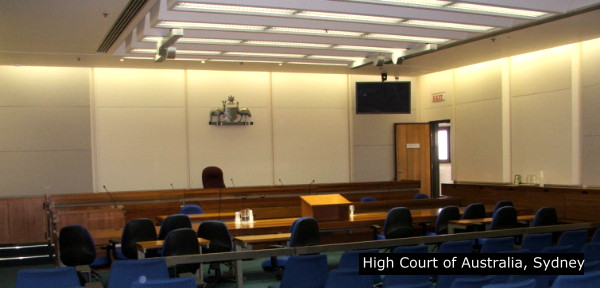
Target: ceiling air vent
x,y
133,7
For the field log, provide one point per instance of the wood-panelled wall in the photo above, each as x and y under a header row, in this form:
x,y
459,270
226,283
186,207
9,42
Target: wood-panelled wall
x,y
571,202
22,220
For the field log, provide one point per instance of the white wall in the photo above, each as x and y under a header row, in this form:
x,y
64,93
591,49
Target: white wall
x,y
590,69
520,115
45,146
71,130
373,155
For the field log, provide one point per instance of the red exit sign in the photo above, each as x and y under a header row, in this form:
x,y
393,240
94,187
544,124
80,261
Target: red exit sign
x,y
438,97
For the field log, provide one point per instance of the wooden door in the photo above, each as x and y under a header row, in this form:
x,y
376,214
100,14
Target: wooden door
x,y
413,153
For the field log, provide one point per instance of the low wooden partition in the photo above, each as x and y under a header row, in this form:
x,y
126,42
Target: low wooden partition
x,y
573,203
110,211
266,201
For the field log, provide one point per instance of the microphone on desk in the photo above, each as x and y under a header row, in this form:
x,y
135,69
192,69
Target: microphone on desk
x,y
312,182
232,184
280,182
182,195
110,195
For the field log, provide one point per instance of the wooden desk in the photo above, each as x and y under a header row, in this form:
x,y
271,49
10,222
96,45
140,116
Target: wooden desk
x,y
328,207
201,217
246,242
463,223
144,246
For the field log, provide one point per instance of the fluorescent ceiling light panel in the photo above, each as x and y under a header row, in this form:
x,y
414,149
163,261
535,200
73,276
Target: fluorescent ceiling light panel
x,y
274,55
188,40
406,38
199,25
349,17
327,57
427,3
448,25
245,61
497,10
287,44
367,48
322,32
317,63
183,52
191,6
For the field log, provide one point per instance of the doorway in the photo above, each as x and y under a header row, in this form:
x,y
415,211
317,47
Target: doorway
x,y
441,159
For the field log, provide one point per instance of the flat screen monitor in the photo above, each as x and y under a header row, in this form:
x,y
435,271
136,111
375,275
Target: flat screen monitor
x,y
383,97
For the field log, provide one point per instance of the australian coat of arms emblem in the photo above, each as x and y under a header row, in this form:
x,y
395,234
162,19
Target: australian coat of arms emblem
x,y
231,113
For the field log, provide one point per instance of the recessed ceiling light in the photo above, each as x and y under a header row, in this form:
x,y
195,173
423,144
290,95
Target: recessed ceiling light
x,y
448,25
322,32
199,25
287,44
430,3
367,48
274,55
497,10
183,52
317,63
327,57
406,38
191,6
244,61
349,17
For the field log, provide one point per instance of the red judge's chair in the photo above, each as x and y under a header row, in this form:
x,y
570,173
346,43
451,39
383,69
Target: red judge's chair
x,y
212,177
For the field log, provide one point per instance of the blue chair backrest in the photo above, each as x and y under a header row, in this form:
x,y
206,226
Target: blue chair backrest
x,y
464,246
591,251
47,278
530,283
420,196
534,243
181,282
305,271
545,216
575,238
471,282
391,280
504,218
588,280
596,237
495,245
348,278
474,211
305,232
350,259
124,272
368,199
191,209
447,213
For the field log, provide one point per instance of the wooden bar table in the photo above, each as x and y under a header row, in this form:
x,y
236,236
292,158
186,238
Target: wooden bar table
x,y
463,223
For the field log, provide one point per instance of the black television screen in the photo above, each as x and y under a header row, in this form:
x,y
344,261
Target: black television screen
x,y
383,97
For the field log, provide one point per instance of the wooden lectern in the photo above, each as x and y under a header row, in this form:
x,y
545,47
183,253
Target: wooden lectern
x,y
330,207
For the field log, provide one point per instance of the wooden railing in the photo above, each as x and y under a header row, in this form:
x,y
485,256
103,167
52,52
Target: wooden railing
x,y
572,203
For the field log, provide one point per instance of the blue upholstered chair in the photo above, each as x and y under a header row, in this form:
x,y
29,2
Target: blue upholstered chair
x,y
368,199
191,209
504,218
588,280
545,216
574,238
495,245
534,243
530,283
304,271
471,281
420,196
172,222
392,280
304,232
125,272
182,282
398,224
61,277
441,223
502,203
348,278
136,230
